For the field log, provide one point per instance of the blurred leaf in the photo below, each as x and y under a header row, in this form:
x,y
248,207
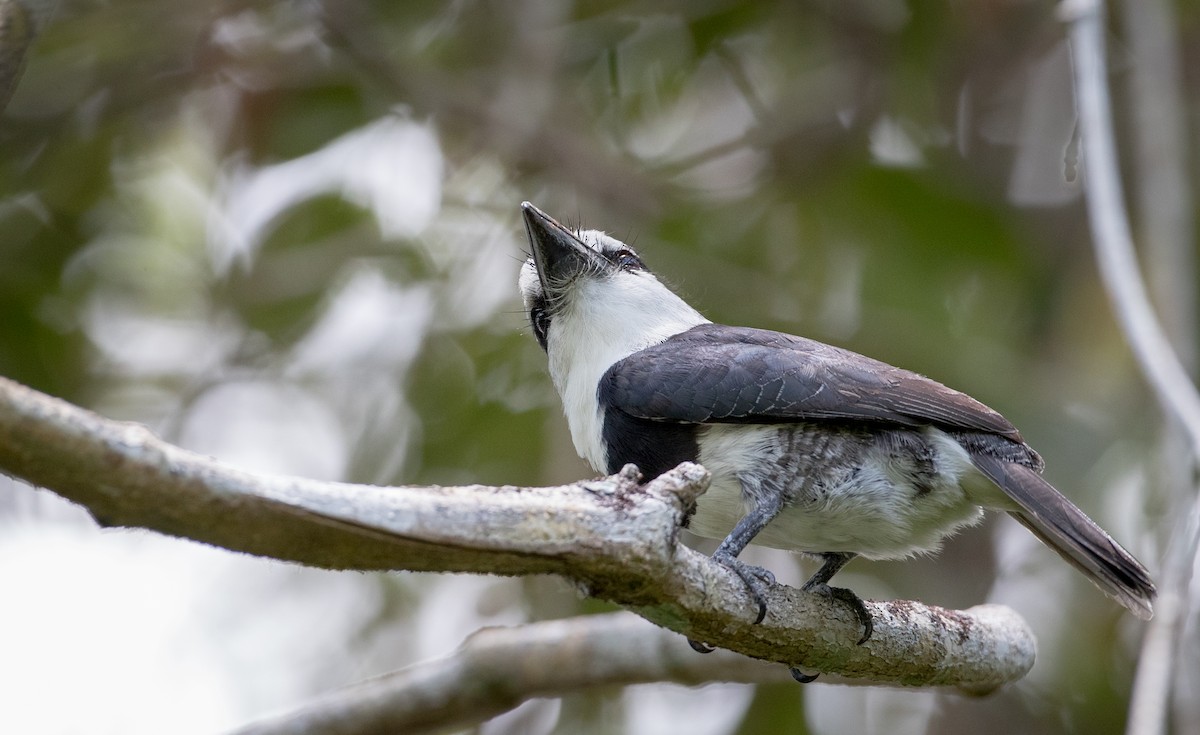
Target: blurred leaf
x,y
465,440
281,291
776,708
714,24
288,125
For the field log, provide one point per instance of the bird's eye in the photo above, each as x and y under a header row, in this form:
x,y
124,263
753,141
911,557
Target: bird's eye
x,y
540,320
627,260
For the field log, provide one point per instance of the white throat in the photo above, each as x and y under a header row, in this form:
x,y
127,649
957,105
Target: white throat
x,y
603,321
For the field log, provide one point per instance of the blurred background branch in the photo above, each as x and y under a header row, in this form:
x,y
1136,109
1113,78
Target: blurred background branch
x,y
1159,361
496,669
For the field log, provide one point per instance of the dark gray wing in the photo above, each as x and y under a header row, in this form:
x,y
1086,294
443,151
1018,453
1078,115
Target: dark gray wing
x,y
718,374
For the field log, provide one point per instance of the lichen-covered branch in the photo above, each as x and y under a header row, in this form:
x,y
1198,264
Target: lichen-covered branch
x,y
616,537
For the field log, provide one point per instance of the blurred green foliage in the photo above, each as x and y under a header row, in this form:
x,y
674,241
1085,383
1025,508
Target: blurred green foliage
x,y
841,170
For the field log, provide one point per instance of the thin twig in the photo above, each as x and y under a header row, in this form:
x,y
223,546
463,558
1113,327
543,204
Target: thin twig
x,y
1158,361
1164,193
1110,226
1164,196
737,72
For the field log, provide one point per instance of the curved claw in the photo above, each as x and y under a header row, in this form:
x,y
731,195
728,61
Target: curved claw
x,y
756,579
802,677
854,601
699,647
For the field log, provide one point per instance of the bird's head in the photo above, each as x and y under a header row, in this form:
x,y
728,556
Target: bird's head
x,y
586,287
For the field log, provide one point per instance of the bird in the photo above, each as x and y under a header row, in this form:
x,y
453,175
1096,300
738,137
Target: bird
x,y
810,448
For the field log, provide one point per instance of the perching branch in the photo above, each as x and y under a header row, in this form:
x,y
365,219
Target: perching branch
x,y
616,538
1158,361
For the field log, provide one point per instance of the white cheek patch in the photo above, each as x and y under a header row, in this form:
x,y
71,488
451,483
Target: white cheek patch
x,y
529,284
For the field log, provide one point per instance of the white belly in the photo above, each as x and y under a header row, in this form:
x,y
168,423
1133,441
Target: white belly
x,y
873,510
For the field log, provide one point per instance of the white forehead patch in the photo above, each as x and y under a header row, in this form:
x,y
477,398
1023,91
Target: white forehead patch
x,y
600,241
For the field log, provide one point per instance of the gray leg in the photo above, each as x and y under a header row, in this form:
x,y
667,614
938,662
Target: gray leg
x,y
819,583
756,579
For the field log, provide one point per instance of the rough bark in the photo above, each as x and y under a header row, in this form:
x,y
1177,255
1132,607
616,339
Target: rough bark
x,y
616,537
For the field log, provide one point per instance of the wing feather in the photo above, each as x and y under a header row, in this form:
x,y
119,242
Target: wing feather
x,y
718,374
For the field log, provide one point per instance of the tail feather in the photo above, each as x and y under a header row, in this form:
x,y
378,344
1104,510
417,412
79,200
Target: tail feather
x,y
1065,528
